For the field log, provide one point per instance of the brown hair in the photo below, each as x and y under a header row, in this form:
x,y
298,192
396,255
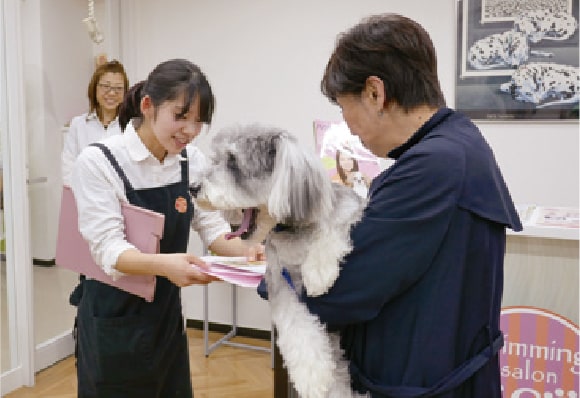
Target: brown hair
x,y
394,48
341,172
113,66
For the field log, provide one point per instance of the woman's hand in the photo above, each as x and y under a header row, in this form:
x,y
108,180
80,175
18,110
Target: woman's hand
x,y
256,253
185,269
237,247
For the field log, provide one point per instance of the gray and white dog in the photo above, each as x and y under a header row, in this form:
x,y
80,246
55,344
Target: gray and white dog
x,y
288,200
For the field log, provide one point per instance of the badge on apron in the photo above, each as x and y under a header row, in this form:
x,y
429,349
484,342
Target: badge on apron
x,y
181,204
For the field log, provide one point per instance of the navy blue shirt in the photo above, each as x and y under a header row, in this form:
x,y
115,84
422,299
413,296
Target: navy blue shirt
x,y
420,293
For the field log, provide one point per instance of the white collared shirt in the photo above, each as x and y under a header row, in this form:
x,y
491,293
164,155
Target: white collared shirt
x,y
99,191
83,131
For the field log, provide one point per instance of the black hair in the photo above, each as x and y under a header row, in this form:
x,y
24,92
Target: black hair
x,y
166,82
393,48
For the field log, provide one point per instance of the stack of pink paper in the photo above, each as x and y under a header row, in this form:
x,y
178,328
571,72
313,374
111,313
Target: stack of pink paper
x,y
235,270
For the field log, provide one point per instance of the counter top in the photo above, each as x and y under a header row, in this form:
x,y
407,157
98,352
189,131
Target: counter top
x,y
547,232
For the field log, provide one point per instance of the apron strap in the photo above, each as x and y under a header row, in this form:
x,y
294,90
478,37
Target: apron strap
x,y
185,169
448,383
123,176
115,164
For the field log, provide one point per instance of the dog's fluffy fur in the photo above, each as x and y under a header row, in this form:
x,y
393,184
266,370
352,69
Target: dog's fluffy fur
x,y
306,221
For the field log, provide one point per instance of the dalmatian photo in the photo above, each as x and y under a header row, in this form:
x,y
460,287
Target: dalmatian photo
x,y
499,50
289,201
540,25
518,59
511,49
544,84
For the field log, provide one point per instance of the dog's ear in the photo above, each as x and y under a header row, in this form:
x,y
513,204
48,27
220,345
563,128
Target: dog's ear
x,y
301,190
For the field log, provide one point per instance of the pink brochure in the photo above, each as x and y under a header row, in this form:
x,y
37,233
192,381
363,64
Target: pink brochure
x,y
235,270
143,229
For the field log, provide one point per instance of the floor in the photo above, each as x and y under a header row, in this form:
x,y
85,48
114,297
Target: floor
x,y
227,372
53,315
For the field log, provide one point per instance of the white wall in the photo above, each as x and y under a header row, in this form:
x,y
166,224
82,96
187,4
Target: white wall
x,y
265,59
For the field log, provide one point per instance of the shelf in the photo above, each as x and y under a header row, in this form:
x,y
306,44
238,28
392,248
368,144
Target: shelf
x,y
547,232
548,222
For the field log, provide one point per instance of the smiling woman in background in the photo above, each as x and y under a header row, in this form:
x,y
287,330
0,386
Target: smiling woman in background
x,y
106,90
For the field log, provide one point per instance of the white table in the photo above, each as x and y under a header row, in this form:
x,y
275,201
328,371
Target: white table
x,y
226,339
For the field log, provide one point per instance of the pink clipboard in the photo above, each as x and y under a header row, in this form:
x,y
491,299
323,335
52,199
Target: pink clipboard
x,y
143,229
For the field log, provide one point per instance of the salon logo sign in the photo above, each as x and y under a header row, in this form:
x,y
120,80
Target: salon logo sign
x,y
540,357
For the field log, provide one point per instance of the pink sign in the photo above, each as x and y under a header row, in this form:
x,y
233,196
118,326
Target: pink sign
x,y
540,357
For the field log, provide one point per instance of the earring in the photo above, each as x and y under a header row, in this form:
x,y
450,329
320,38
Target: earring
x,y
380,112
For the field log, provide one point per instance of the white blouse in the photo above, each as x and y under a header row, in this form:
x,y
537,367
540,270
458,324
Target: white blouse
x,y
83,130
99,191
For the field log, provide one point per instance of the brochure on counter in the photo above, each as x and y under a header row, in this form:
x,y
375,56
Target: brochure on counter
x,y
544,216
236,270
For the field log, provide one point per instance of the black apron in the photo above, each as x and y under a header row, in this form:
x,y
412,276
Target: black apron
x,y
125,346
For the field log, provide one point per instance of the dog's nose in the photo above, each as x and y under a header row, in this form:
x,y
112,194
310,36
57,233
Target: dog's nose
x,y
194,189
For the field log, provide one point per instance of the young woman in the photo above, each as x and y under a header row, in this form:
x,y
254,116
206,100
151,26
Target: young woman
x,y
127,347
106,90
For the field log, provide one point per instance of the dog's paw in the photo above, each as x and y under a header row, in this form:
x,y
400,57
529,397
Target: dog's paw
x,y
318,280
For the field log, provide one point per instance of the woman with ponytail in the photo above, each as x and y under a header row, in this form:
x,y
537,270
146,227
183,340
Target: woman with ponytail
x,y
127,347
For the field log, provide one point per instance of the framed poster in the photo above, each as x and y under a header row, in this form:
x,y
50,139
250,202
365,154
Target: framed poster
x,y
518,59
345,158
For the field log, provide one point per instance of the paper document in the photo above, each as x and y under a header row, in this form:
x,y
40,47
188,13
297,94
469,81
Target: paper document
x,y
562,217
542,216
235,270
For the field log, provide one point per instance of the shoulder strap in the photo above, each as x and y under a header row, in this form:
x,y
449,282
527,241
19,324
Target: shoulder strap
x,y
115,164
185,168
123,176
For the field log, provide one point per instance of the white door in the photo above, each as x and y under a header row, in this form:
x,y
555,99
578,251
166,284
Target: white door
x,y
58,63
17,367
